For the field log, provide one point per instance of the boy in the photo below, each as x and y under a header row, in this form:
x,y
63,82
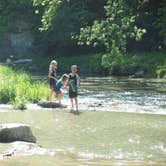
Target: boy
x,y
74,83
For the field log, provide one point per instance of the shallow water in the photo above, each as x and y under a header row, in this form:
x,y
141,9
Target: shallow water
x,y
117,95
110,133
122,95
94,136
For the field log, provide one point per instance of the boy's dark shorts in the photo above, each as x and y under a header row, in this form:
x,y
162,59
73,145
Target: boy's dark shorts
x,y
72,94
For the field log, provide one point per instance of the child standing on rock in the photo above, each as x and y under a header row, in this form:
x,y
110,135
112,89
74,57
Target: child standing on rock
x,y
53,78
74,83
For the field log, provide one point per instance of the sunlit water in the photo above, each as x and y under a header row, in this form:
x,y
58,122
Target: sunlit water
x,y
123,95
111,133
120,95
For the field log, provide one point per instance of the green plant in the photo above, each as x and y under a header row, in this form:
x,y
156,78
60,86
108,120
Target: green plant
x,y
161,72
18,88
20,102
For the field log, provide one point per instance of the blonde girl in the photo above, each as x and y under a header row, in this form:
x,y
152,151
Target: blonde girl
x,y
53,78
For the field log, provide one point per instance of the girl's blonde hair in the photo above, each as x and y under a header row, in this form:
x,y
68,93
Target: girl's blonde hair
x,y
52,62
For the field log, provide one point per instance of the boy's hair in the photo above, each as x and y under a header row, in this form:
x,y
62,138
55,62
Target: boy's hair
x,y
73,66
64,77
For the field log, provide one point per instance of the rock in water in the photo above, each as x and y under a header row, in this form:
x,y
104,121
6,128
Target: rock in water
x,y
10,132
48,104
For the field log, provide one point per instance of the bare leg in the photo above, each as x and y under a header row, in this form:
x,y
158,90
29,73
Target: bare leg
x,y
76,103
59,98
72,105
52,93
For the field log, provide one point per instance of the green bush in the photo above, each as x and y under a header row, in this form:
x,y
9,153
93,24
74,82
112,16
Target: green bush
x,y
161,72
18,88
19,103
145,63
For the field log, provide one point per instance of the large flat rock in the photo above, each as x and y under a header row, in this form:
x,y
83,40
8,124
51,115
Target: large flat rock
x,y
11,132
49,104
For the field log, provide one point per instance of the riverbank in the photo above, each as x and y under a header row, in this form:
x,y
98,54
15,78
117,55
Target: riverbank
x,y
18,88
128,139
137,65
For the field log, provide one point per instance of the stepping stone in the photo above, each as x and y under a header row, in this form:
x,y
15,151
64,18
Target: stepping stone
x,y
48,104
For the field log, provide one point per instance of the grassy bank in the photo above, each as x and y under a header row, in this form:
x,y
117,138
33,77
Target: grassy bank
x,y
17,87
134,64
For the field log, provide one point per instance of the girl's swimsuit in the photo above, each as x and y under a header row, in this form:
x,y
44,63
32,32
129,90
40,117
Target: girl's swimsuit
x,y
72,86
52,81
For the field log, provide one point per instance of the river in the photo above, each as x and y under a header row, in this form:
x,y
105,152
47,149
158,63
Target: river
x,y
122,119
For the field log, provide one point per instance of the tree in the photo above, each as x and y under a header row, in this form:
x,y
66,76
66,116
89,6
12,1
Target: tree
x,y
161,21
113,31
13,12
62,18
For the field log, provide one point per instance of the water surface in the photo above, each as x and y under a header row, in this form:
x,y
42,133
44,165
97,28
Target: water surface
x,y
122,95
122,121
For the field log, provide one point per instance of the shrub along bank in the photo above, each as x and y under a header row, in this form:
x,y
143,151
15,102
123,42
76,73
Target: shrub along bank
x,y
134,64
17,87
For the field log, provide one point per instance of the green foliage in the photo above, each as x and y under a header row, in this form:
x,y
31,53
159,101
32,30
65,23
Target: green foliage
x,y
161,71
112,31
15,15
130,64
147,63
51,8
161,21
110,28
109,22
86,63
18,88
19,103
106,22
61,19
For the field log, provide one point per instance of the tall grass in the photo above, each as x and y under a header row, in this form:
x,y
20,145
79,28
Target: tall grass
x,y
17,87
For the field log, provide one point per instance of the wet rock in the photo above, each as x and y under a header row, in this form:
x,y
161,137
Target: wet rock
x,y
48,104
16,132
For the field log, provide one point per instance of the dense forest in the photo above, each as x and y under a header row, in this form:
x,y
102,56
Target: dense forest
x,y
112,28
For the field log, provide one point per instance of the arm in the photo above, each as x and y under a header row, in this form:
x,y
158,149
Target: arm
x,y
67,81
78,80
